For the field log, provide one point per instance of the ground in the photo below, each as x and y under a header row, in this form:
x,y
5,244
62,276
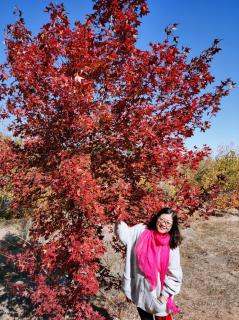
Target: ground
x,y
210,262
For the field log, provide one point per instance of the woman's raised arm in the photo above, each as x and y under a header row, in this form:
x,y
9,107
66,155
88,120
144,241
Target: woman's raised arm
x,y
127,234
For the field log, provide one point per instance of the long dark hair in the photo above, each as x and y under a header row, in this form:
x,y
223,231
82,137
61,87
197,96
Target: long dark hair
x,y
175,235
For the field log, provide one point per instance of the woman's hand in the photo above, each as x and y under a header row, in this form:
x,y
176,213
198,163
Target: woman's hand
x,y
163,299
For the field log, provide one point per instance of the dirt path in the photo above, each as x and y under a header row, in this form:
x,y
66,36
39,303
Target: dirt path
x,y
210,262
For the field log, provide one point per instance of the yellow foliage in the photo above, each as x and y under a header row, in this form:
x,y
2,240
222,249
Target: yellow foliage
x,y
144,184
224,171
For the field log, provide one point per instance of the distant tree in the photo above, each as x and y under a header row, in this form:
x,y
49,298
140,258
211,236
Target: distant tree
x,y
103,126
223,170
5,180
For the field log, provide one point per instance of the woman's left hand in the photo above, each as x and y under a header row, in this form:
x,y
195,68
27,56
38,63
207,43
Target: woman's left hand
x,y
163,299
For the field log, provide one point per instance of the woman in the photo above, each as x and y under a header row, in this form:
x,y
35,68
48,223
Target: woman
x,y
153,273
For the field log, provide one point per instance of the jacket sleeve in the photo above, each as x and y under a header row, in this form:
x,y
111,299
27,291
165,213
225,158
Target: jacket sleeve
x,y
174,276
127,234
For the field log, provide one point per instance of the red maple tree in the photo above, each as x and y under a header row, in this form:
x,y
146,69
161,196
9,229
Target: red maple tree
x,y
103,127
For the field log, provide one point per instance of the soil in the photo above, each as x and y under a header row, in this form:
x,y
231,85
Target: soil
x,y
210,263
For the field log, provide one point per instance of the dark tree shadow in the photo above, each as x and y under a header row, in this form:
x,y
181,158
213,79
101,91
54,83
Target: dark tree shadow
x,y
15,305
12,304
103,312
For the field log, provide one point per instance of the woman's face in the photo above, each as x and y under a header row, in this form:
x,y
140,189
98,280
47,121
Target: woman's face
x,y
164,223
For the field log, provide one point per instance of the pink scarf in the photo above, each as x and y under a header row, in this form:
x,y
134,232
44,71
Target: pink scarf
x,y
152,253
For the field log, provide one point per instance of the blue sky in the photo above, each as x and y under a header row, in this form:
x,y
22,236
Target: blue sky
x,y
199,23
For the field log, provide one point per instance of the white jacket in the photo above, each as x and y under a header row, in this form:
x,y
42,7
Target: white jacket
x,y
135,285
